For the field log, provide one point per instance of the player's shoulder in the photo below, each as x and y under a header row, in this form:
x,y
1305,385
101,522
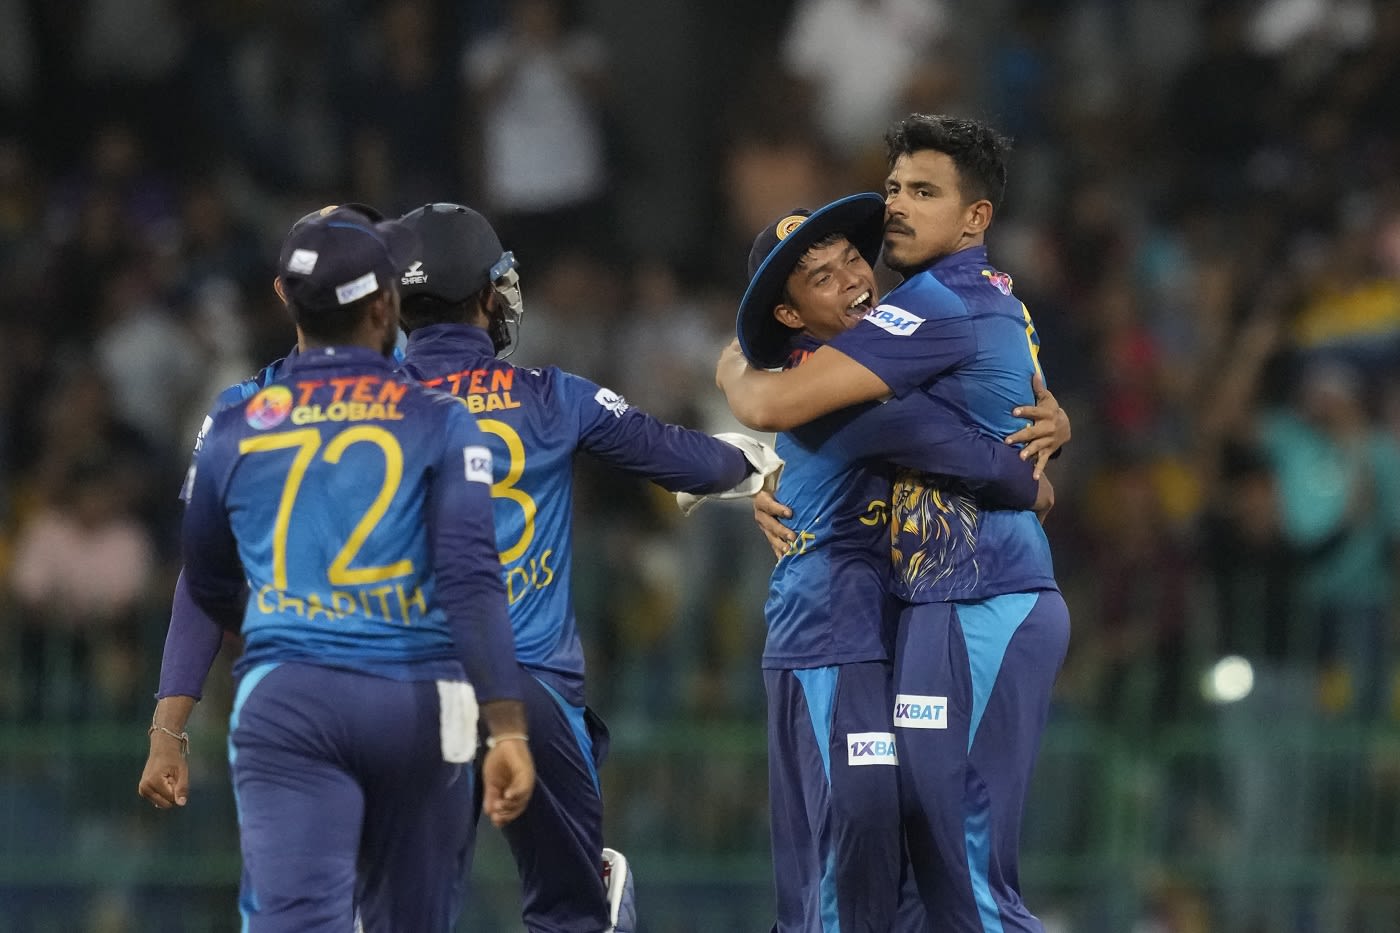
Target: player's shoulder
x,y
241,392
258,405
262,409
930,294
233,395
540,377
907,307
983,288
560,391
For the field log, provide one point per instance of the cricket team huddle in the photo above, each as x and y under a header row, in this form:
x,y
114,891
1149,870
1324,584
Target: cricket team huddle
x,y
373,517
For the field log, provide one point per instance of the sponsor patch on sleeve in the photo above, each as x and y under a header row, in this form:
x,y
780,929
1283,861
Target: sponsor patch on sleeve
x,y
870,748
612,402
895,320
478,460
203,433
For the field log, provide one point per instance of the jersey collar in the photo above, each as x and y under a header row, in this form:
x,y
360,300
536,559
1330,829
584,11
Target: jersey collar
x,y
445,338
972,256
339,357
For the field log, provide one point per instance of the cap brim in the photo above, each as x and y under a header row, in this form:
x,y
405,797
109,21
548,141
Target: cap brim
x,y
762,338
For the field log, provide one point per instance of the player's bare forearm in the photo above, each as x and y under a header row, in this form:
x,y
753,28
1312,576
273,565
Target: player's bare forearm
x,y
173,713
504,717
827,381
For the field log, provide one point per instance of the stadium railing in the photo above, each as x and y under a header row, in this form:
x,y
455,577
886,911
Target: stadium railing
x,y
1286,818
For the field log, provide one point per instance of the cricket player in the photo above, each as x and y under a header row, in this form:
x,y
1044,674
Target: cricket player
x,y
193,640
341,519
836,833
982,629
460,297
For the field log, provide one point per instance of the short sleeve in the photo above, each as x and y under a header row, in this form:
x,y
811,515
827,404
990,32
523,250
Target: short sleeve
x,y
912,338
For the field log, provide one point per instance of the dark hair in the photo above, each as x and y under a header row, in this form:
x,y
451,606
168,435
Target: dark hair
x,y
417,311
337,326
978,151
831,239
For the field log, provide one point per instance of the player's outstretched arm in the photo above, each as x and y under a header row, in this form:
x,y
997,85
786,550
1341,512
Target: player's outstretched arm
x,y
765,467
676,458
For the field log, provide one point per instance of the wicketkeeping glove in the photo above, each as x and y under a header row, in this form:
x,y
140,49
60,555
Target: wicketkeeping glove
x,y
767,467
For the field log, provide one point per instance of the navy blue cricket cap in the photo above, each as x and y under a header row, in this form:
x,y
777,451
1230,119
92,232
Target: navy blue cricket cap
x,y
457,250
370,214
775,253
334,257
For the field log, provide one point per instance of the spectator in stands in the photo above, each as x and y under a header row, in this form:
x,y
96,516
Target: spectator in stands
x,y
82,565
540,87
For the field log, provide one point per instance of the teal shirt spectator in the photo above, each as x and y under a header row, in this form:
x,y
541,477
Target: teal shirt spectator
x,y
1341,508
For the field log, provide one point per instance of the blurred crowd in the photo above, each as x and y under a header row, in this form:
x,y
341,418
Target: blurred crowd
x,y
1203,218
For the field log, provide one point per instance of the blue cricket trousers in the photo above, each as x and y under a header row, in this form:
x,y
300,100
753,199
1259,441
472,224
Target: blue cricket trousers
x,y
557,842
833,786
972,685
344,799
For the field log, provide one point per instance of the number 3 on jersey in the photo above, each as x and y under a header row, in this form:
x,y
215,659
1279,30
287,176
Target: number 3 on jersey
x,y
505,488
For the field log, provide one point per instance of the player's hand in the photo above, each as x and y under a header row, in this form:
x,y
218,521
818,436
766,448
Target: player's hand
x,y
1048,431
1044,498
768,512
165,781
731,366
509,775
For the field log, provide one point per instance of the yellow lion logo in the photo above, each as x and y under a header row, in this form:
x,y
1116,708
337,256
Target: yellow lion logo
x,y
930,530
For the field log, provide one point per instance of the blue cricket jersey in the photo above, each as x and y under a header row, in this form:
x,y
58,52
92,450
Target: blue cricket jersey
x,y
233,395
956,334
356,507
827,593
193,639
535,420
